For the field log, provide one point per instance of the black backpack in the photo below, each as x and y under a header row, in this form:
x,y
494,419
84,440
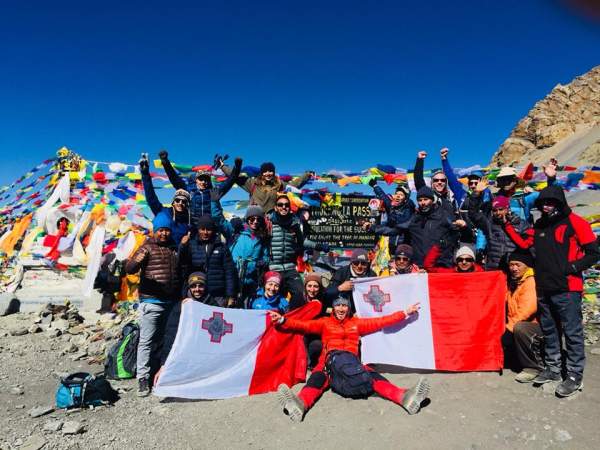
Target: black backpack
x,y
347,375
121,361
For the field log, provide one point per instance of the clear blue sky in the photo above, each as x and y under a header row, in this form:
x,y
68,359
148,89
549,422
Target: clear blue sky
x,y
329,84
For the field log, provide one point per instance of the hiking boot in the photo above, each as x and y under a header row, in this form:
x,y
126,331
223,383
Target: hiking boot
x,y
569,386
143,387
527,375
411,401
546,376
292,405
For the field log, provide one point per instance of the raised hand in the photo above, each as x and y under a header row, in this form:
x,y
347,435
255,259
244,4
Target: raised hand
x,y
444,153
422,154
163,154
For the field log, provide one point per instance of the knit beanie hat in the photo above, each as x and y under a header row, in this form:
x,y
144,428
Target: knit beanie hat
x,y
464,250
404,189
183,194
425,192
404,250
341,301
161,221
273,276
196,278
267,167
205,222
501,202
313,276
254,211
522,256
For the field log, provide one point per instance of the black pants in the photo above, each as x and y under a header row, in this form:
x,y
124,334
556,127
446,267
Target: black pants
x,y
560,315
292,284
523,347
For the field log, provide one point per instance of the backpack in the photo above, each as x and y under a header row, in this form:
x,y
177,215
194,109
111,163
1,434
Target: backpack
x,y
347,375
84,389
122,358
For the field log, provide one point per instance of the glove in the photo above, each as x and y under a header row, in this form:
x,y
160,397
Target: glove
x,y
372,182
238,163
144,166
163,154
322,248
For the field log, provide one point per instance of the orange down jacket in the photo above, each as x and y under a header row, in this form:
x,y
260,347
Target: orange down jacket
x,y
344,334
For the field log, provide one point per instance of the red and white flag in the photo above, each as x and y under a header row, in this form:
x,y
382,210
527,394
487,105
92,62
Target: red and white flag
x,y
458,328
222,353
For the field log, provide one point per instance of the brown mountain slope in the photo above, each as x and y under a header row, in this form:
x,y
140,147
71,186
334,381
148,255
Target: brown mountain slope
x,y
564,125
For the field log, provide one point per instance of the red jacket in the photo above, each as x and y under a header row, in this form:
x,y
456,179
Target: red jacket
x,y
342,335
434,254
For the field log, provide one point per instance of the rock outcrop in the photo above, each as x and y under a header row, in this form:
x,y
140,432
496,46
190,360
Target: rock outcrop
x,y
565,125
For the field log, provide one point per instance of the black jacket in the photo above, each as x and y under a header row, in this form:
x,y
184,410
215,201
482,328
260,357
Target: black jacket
x,y
434,227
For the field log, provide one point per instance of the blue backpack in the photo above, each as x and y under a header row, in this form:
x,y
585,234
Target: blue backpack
x,y
347,375
84,389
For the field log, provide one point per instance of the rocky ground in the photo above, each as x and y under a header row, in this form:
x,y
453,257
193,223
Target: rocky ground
x,y
470,410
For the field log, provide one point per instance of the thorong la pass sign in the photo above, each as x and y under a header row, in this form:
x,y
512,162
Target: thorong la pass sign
x,y
458,327
339,225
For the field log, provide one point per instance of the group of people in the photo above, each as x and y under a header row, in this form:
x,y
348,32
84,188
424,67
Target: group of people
x,y
196,253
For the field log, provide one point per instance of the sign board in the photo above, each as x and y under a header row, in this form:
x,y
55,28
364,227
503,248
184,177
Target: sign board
x,y
340,225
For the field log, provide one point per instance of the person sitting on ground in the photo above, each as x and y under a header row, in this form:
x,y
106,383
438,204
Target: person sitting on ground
x,y
178,213
523,338
341,334
269,297
464,261
402,262
205,253
199,185
499,243
159,288
341,283
264,188
399,208
432,224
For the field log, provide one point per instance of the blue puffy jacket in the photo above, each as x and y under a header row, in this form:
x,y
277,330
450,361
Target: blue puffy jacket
x,y
251,252
278,302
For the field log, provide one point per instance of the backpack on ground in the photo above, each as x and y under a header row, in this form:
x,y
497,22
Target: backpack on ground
x,y
121,361
83,389
347,375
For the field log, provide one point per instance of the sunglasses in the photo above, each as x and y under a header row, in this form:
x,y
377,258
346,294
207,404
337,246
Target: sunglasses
x,y
402,258
180,200
254,219
439,180
360,263
283,205
473,183
196,286
462,260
